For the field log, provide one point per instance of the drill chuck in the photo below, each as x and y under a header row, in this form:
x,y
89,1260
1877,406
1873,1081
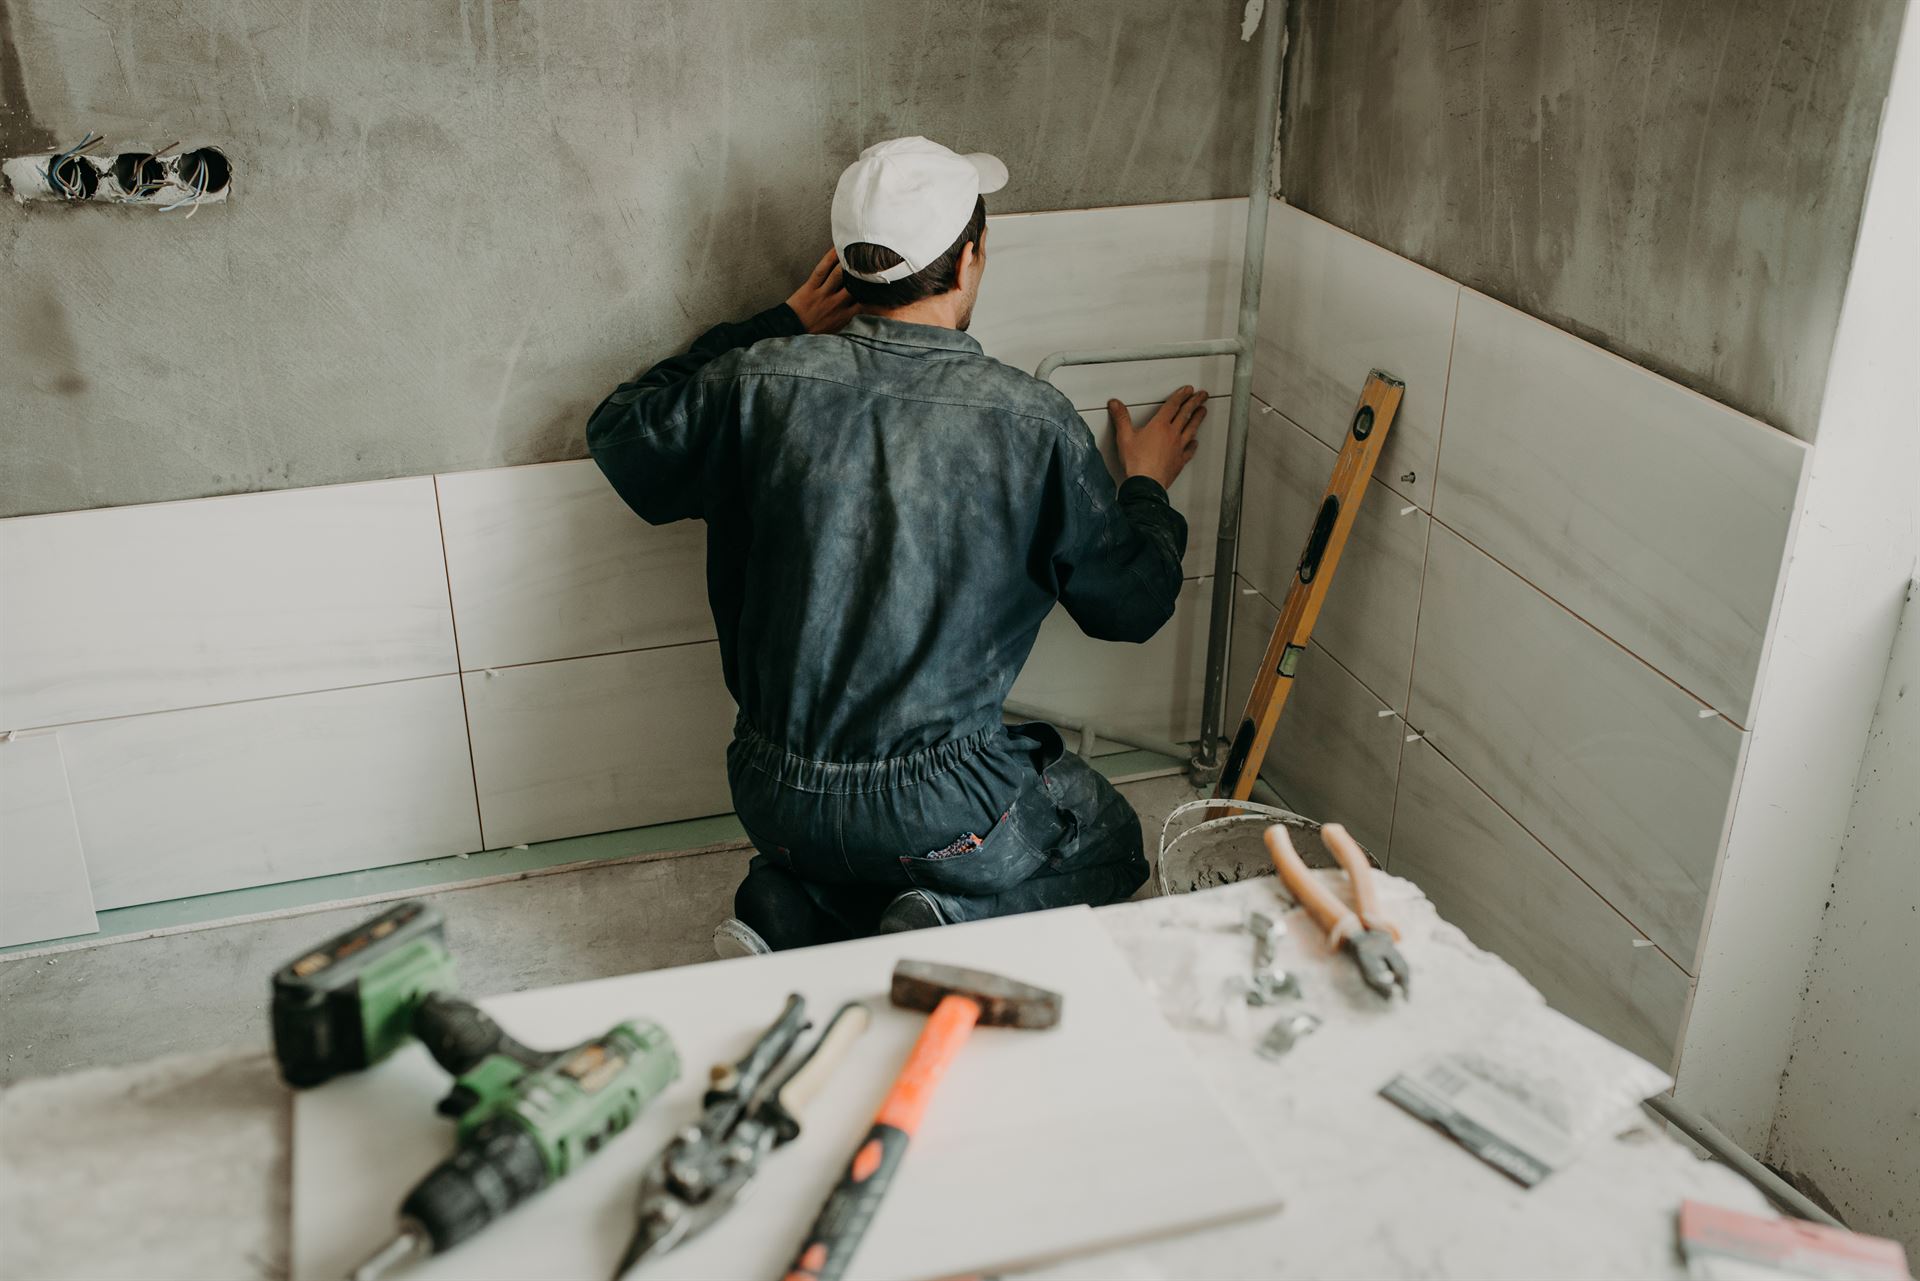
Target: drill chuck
x,y
499,1166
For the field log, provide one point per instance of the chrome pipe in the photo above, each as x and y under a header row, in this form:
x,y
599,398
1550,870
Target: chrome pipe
x,y
1116,355
1226,557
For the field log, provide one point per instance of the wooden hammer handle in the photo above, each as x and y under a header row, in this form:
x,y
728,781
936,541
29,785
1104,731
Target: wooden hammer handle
x,y
843,1220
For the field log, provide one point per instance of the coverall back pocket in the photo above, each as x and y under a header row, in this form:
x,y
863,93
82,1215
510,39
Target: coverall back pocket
x,y
1015,850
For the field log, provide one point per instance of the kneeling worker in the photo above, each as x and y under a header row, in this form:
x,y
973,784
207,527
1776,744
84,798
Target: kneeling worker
x,y
890,516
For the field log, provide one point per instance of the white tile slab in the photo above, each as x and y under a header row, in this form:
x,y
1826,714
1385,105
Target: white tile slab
x,y
1119,277
1368,618
1196,493
546,562
44,892
122,610
1509,893
1155,688
1604,760
598,744
1105,1121
1333,757
216,798
1659,516
1333,307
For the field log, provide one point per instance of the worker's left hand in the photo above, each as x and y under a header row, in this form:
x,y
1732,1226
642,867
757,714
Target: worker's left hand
x,y
822,302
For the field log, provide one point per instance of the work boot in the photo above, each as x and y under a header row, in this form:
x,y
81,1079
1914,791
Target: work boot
x,y
733,937
913,910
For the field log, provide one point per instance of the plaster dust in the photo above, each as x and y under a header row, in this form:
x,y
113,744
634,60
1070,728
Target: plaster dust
x,y
460,225
1368,1191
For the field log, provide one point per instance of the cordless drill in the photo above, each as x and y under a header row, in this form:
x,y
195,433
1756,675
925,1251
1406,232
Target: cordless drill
x,y
526,1118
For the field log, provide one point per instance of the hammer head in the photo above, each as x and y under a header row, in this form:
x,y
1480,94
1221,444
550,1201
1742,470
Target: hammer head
x,y
1003,1002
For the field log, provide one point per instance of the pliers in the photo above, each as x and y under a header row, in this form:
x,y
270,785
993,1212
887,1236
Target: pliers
x,y
710,1165
1362,930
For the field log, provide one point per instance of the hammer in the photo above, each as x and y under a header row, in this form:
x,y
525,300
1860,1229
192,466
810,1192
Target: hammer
x,y
959,1000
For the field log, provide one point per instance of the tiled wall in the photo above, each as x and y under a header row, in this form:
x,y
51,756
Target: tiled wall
x,y
1530,688
235,691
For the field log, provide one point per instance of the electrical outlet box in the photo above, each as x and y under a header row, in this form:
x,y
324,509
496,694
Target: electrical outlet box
x,y
131,175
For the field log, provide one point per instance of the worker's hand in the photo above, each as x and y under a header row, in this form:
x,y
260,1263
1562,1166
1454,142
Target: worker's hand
x,y
822,302
1165,443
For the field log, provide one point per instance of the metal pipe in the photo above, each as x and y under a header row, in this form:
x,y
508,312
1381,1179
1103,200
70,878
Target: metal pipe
x,y
1204,764
1724,1149
1226,557
1115,355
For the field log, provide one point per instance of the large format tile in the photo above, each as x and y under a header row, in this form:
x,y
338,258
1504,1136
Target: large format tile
x,y
1659,516
1196,494
595,744
1333,307
1334,756
44,892
1607,762
215,798
1367,620
546,562
122,610
1152,689
1511,896
1119,277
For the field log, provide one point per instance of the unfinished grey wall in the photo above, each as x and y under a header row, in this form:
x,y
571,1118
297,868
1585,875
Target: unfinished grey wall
x,y
456,223
1680,183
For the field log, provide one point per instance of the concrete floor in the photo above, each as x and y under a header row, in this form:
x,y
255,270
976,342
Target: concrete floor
x,y
127,1000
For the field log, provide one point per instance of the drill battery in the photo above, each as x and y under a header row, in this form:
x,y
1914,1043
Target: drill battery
x,y
350,1002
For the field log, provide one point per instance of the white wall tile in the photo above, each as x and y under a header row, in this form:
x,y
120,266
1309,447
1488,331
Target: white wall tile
x,y
546,562
1119,277
44,892
1333,757
1153,688
1603,759
1333,307
1510,895
1659,516
125,610
215,798
598,744
1196,493
1367,620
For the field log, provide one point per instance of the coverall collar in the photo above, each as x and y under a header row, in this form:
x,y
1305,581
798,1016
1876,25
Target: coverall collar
x,y
906,334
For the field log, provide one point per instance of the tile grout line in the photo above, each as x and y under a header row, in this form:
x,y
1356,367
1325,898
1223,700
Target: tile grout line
x,y
1426,555
453,621
1495,802
1587,623
1336,659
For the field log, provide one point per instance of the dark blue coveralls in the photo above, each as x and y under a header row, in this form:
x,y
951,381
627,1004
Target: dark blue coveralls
x,y
891,514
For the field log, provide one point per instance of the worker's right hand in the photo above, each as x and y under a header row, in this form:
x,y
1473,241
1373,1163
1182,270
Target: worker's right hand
x,y
1159,448
822,302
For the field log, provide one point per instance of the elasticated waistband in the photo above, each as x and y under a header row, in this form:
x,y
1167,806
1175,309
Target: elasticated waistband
x,y
754,750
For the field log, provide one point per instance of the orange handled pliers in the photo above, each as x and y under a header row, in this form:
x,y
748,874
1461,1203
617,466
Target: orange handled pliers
x,y
1361,929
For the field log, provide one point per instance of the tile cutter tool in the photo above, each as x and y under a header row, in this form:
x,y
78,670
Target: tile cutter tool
x,y
711,1164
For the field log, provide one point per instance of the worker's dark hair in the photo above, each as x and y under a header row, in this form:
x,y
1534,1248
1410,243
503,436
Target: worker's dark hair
x,y
937,277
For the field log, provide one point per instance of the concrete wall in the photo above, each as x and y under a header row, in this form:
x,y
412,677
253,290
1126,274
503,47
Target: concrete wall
x,y
1849,1116
456,223
1852,562
1678,183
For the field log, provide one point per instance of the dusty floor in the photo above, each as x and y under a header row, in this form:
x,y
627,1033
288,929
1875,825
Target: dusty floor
x,y
128,1000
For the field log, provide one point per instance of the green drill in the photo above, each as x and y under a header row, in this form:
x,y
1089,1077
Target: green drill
x,y
526,1118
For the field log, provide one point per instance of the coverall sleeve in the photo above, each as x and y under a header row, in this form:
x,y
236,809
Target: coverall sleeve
x,y
653,436
1118,559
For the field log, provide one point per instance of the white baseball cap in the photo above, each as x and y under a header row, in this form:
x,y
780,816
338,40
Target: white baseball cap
x,y
912,196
